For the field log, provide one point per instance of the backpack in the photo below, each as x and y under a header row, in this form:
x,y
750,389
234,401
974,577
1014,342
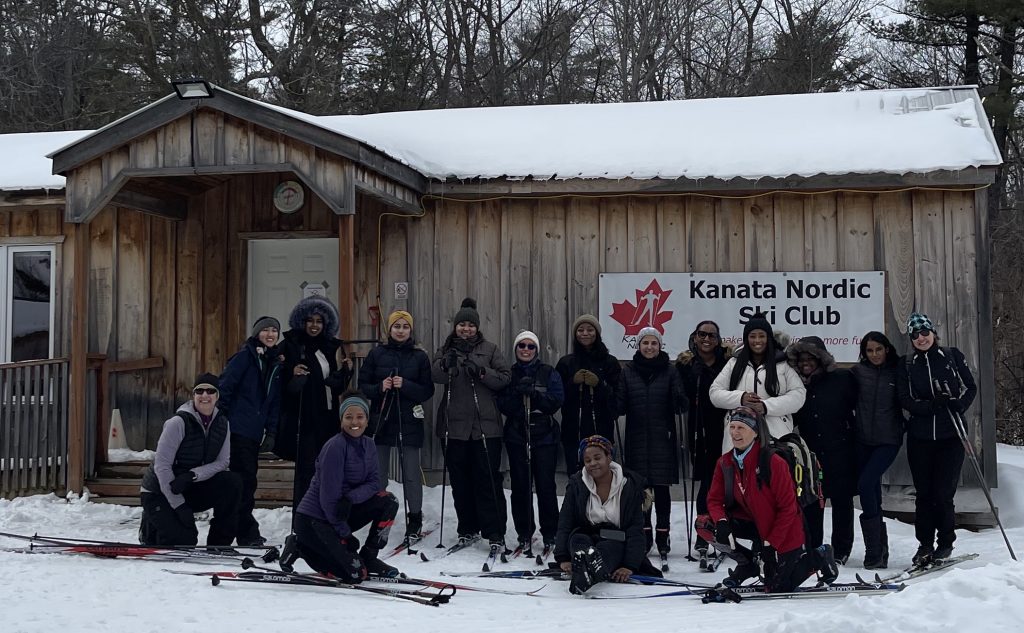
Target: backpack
x,y
804,468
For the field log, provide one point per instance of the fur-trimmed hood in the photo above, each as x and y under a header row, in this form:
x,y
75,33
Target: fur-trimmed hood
x,y
315,304
815,347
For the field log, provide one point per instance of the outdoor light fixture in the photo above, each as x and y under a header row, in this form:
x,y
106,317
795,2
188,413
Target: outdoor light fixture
x,y
192,88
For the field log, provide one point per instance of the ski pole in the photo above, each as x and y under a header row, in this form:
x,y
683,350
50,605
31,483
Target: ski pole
x,y
687,510
529,468
487,452
961,430
401,454
444,460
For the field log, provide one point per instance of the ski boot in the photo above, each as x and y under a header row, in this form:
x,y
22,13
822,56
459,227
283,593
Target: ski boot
x,y
923,556
826,564
587,570
662,541
289,554
413,527
942,553
721,592
377,567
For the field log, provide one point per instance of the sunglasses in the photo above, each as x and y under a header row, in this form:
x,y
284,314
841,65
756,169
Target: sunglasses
x,y
202,391
918,334
701,334
525,346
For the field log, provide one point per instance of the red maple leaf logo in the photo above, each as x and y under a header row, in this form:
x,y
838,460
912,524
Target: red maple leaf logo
x,y
647,311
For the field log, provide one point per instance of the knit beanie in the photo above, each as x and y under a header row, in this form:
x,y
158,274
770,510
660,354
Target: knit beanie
x,y
747,416
598,441
649,331
263,323
399,314
585,318
918,322
207,381
354,401
758,322
467,312
525,335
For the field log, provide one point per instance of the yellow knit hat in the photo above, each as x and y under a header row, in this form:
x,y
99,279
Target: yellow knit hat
x,y
399,314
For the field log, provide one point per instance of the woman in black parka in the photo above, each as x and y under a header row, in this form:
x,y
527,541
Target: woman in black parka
x,y
698,366
880,426
650,394
396,378
313,383
936,384
589,376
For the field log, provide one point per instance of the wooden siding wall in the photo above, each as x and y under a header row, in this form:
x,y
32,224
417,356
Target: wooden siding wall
x,y
534,263
178,290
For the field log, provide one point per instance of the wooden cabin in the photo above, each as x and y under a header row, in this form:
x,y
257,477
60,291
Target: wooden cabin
x,y
164,234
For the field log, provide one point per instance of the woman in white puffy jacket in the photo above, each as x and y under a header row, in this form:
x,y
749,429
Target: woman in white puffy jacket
x,y
752,379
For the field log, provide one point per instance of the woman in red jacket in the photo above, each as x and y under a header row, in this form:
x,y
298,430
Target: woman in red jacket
x,y
753,497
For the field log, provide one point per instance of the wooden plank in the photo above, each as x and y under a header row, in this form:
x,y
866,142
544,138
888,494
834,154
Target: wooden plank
x,y
101,279
364,276
759,234
346,275
239,221
39,395
214,266
5,223
23,223
855,218
789,232
672,242
894,253
177,148
729,236
700,234
986,368
267,146
642,234
614,235
142,152
930,252
189,285
133,318
517,266
483,224
50,222
18,416
77,396
6,430
824,233
43,450
548,301
237,142
209,143
265,216
394,265
162,330
583,230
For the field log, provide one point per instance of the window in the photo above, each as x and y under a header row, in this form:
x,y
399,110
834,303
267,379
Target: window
x,y
27,306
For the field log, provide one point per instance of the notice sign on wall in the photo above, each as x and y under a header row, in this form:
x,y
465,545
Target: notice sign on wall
x,y
839,307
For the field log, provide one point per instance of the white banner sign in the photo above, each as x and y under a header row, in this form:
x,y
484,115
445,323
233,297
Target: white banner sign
x,y
839,307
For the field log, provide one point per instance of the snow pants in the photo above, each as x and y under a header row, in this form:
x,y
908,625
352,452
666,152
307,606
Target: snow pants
x,y
326,552
935,467
541,469
163,525
475,475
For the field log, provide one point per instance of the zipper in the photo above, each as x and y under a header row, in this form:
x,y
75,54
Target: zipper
x,y
931,387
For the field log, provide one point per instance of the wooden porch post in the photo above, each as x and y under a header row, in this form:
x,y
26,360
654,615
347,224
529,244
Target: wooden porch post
x,y
346,276
77,395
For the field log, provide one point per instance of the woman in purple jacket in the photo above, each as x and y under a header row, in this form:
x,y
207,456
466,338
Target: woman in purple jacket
x,y
344,496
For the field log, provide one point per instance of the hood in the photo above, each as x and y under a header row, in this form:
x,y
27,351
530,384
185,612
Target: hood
x,y
815,347
315,304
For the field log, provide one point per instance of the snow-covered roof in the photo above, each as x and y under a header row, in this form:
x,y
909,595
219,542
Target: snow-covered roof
x,y
880,131
23,159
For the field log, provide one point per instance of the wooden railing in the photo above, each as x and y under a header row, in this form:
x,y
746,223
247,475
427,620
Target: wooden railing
x,y
33,426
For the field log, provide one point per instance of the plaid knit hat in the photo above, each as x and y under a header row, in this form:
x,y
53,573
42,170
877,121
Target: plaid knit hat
x,y
918,322
599,441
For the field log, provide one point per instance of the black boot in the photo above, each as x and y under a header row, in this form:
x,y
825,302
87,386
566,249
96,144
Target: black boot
x,y
661,538
648,538
923,555
413,525
872,529
375,566
587,570
289,554
826,563
885,543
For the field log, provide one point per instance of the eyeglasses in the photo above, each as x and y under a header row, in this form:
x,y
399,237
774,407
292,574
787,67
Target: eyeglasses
x,y
701,334
918,334
525,346
200,391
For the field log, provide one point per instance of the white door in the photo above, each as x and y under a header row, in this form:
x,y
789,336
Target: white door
x,y
281,272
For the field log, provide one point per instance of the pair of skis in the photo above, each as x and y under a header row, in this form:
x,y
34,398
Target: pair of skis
x,y
757,592
409,542
916,571
111,549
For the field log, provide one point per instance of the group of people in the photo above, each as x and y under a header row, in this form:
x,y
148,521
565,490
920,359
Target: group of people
x,y
288,397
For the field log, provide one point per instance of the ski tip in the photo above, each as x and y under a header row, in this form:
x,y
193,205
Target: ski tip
x,y
539,560
423,557
878,578
486,568
215,580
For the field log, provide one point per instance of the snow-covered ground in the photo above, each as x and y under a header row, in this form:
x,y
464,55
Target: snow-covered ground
x,y
50,593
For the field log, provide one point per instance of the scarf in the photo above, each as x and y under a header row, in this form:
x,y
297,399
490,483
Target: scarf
x,y
649,367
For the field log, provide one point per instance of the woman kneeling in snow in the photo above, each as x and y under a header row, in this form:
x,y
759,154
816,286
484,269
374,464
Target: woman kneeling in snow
x,y
601,524
345,495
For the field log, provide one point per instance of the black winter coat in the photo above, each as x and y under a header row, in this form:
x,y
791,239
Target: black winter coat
x,y
250,390
826,421
413,365
319,413
650,407
596,409
704,423
929,419
544,402
880,418
573,517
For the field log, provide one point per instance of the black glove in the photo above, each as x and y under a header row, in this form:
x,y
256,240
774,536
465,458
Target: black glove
x,y
940,401
268,443
955,405
526,386
181,483
472,369
342,509
451,363
723,532
184,514
769,557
